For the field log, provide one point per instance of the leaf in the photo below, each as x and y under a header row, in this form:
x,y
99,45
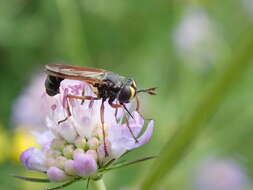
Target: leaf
x,y
31,179
109,163
120,165
61,186
65,184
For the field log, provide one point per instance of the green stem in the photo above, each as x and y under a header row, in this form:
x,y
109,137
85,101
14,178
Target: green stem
x,y
98,184
72,32
176,147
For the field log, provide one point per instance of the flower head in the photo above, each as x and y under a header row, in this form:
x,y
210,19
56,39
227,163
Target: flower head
x,y
76,144
196,38
222,174
29,110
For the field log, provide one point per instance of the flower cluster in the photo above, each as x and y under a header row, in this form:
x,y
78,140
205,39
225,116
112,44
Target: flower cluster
x,y
196,38
74,144
220,173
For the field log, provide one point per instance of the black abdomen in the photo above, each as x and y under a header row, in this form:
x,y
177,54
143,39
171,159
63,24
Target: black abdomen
x,y
52,85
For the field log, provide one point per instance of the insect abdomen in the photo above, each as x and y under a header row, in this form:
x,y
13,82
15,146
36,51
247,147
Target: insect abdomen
x,y
52,85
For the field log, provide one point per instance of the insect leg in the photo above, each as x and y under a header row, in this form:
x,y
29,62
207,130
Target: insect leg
x,y
125,108
83,97
102,110
91,104
137,104
115,105
76,97
83,94
68,114
116,113
130,130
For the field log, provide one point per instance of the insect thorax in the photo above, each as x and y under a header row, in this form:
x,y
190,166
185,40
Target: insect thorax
x,y
110,87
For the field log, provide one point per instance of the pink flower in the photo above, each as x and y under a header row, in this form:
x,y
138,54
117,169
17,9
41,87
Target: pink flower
x,y
74,145
220,174
29,109
56,174
33,159
85,164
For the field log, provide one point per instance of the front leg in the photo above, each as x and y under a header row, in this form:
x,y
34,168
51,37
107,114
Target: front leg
x,y
116,106
75,97
68,114
83,97
102,115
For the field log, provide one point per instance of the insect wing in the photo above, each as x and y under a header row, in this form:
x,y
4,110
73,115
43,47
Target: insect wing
x,y
88,74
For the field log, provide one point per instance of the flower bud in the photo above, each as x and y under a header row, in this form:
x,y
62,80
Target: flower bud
x,y
50,162
69,167
80,143
93,143
68,151
33,159
60,161
93,153
85,164
98,132
57,144
53,153
77,151
67,131
25,156
102,158
56,174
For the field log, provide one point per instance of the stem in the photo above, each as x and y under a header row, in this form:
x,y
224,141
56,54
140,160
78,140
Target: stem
x,y
176,147
98,184
72,33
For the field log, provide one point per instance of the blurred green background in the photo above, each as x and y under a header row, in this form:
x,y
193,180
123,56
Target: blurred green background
x,y
178,46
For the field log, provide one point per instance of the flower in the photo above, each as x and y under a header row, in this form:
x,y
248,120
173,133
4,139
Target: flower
x,y
196,39
31,100
74,144
220,174
248,5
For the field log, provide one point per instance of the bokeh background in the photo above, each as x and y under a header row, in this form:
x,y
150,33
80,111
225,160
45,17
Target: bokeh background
x,y
178,46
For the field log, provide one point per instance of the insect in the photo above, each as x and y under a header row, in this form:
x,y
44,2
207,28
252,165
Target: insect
x,y
109,86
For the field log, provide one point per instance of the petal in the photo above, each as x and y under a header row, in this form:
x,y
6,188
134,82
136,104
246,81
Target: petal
x,y
67,131
137,119
25,156
77,151
146,135
83,121
56,174
43,138
117,151
69,167
84,164
34,159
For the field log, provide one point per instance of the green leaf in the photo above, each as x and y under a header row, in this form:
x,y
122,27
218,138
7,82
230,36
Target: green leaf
x,y
61,186
38,180
120,165
66,184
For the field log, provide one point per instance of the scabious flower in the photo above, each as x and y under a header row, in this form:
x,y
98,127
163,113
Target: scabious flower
x,y
73,146
196,38
28,110
248,5
28,115
220,174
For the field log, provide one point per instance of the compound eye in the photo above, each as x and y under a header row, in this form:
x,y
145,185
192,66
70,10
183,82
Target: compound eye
x,y
125,95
